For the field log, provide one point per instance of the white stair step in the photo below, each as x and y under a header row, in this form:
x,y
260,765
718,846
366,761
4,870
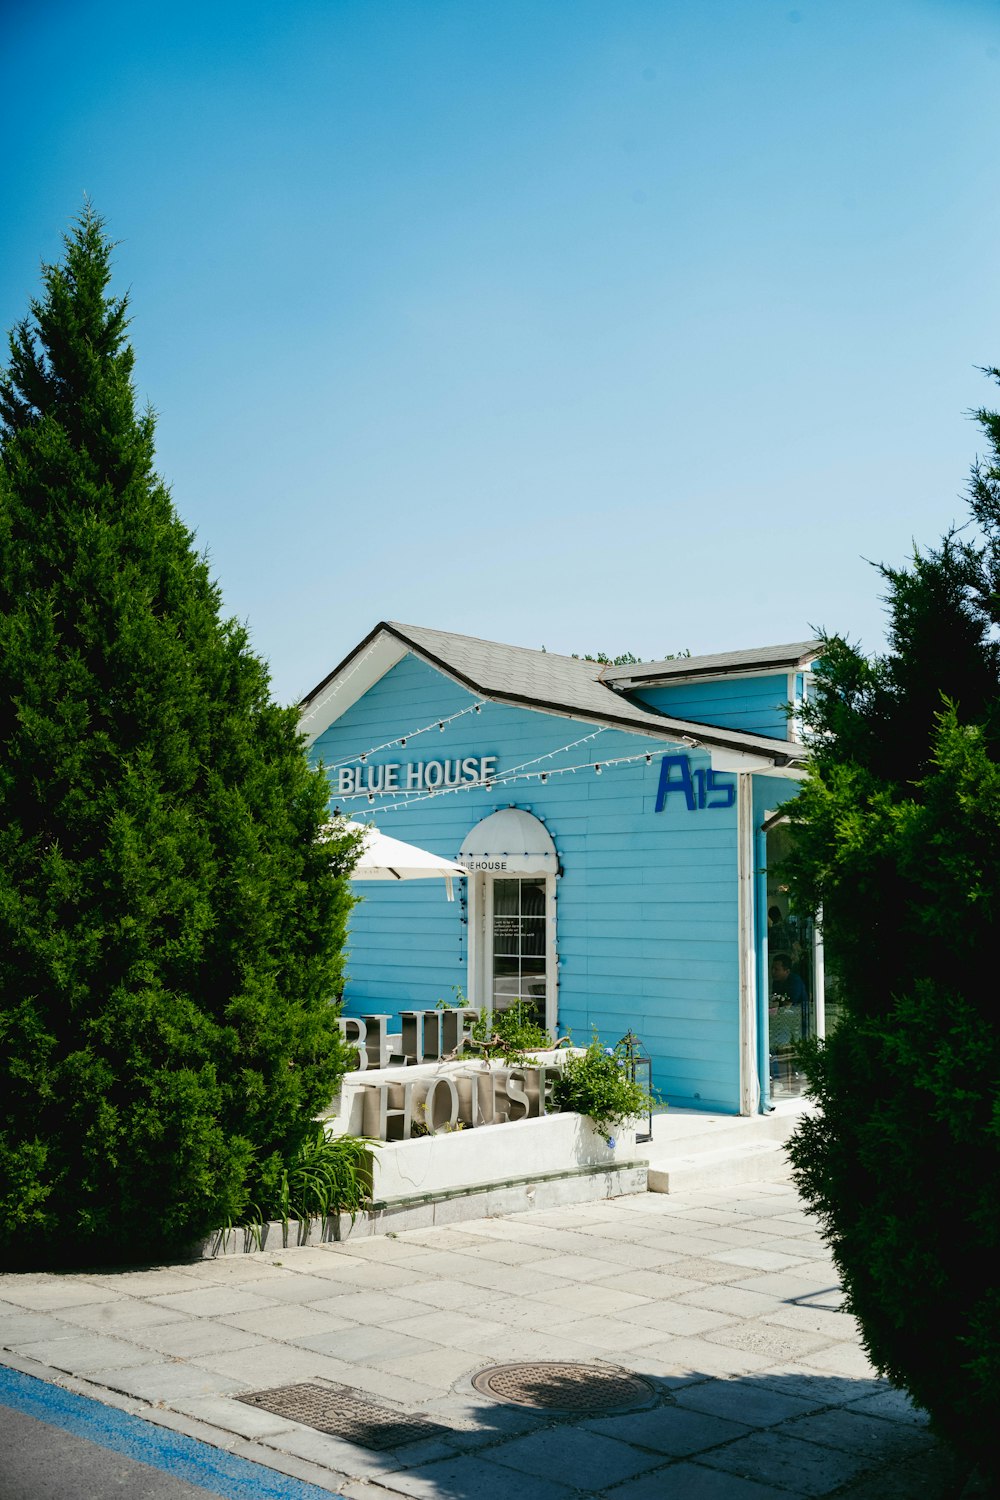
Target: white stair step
x,y
753,1161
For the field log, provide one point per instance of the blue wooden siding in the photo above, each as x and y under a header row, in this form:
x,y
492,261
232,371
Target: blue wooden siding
x,y
647,914
753,704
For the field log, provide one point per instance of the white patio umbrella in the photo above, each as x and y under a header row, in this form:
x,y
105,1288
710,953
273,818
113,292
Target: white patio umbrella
x,y
385,858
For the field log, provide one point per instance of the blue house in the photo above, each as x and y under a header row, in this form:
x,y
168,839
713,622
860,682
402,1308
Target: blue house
x,y
621,831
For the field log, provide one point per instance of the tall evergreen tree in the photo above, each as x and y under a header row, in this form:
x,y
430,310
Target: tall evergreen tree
x,y
897,840
170,926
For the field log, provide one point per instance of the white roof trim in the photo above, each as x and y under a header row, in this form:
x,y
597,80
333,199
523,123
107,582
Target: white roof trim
x,y
344,690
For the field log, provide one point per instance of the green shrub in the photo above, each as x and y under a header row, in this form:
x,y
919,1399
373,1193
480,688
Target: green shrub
x,y
897,838
325,1175
598,1083
512,1034
171,926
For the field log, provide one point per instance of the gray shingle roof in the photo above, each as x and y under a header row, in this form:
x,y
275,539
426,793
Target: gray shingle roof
x,y
557,684
759,658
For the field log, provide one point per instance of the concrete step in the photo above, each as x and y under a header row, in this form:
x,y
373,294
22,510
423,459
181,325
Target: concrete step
x,y
748,1161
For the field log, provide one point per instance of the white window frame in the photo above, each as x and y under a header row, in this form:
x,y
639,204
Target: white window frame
x,y
480,965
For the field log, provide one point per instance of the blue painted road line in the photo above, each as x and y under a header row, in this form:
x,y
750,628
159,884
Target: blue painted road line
x,y
185,1458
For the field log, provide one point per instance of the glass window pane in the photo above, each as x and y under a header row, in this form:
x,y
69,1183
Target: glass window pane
x,y
505,897
533,935
533,898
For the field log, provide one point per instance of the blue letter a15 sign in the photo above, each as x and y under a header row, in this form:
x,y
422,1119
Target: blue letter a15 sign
x,y
700,788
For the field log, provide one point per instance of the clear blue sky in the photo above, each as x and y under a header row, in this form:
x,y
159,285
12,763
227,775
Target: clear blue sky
x,y
621,326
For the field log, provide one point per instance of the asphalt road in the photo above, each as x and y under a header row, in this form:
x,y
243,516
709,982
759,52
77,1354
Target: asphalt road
x,y
56,1445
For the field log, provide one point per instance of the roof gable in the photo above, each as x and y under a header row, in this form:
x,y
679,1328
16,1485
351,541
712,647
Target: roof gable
x,y
540,680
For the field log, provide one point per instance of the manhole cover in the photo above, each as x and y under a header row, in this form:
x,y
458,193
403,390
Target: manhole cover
x,y
565,1387
342,1413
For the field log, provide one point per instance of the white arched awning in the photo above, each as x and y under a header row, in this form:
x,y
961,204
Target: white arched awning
x,y
511,842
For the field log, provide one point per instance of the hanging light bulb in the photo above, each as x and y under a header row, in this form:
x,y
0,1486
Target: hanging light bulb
x,y
649,760
364,758
402,741
441,725
544,777
597,769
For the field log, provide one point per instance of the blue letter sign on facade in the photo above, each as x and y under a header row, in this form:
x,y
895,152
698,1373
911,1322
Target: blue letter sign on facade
x,y
685,781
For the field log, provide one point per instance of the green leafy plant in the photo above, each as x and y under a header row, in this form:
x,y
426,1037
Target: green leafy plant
x,y
325,1175
598,1083
512,1034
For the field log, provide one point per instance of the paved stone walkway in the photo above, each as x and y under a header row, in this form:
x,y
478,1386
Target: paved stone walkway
x,y
726,1300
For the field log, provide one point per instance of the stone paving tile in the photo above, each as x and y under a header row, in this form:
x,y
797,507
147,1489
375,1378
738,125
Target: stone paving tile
x,y
213,1301
819,1386
661,1284
55,1293
232,1270
609,1333
599,1301
289,1321
686,1481
784,1462
360,1345
811,1319
448,1327
261,1365
840,1359
85,1353
758,1260
456,1296
675,1317
696,1356
166,1381
515,1281
743,1401
855,1432
770,1339
503,1252
892,1404
696,1268
31,1328
194,1337
728,1299
785,1285
152,1283
578,1268
579,1457
333,1453
119,1317
288,1286
669,1429
473,1478
474,1422
373,1308
443,1369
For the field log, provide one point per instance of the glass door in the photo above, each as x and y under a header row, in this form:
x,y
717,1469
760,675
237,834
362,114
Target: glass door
x,y
519,963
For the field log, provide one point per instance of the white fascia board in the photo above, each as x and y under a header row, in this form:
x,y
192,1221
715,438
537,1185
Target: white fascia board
x,y
738,760
350,684
735,674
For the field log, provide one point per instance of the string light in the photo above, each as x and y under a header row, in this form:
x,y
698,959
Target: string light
x,y
411,734
506,778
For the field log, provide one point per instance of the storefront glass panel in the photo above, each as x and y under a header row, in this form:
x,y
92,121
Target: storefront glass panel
x,y
802,988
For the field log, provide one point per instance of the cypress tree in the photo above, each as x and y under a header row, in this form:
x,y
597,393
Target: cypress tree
x,y
171,928
897,840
